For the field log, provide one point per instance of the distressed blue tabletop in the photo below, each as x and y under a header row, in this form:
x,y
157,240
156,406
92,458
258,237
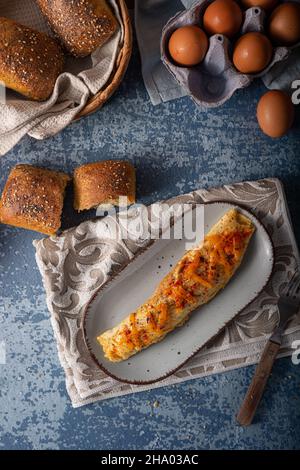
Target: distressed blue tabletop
x,y
175,148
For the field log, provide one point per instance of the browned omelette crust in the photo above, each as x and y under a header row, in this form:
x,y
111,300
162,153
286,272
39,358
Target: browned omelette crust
x,y
103,183
194,281
81,25
33,199
30,61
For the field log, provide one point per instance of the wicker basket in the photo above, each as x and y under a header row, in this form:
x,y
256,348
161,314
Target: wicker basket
x,y
98,100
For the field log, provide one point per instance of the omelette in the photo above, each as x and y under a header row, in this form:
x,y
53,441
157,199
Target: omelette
x,y
197,277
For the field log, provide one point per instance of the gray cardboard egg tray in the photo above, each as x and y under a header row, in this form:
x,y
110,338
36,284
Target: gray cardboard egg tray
x,y
215,79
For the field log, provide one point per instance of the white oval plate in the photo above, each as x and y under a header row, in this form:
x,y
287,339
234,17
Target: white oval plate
x,y
138,280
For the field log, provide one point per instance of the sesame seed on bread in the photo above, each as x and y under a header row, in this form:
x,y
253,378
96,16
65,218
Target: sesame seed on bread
x,y
33,198
81,25
102,183
30,61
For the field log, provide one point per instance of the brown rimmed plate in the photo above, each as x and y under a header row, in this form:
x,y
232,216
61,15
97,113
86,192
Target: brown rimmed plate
x,y
137,281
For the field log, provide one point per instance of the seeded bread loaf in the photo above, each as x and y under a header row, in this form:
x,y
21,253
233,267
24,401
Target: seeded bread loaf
x,y
30,61
33,199
81,25
102,183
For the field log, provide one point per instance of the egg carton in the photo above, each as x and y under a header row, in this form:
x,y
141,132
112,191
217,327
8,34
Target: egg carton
x,y
215,79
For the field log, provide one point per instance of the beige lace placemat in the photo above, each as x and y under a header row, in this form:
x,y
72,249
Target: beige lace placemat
x,y
75,264
81,79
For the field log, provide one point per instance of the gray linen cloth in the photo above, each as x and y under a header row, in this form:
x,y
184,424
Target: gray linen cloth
x,y
150,18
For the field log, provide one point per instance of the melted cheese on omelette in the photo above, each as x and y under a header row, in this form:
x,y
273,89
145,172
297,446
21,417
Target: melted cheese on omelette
x,y
195,280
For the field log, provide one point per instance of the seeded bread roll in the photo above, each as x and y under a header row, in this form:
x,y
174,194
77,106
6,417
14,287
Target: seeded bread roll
x,y
81,25
103,183
33,199
30,61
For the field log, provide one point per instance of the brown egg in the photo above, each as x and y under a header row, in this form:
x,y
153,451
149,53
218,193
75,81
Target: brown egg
x,y
265,4
275,113
188,45
223,17
252,53
284,24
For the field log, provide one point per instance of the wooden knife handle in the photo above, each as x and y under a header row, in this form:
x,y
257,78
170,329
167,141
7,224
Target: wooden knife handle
x,y
258,383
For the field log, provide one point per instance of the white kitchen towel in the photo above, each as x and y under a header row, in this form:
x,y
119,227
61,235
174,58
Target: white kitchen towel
x,y
77,263
150,18
82,78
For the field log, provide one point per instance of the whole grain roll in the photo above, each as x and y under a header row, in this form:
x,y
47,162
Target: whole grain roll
x,y
102,183
33,198
30,61
81,25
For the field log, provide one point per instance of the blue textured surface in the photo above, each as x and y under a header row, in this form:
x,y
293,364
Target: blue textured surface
x,y
175,148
